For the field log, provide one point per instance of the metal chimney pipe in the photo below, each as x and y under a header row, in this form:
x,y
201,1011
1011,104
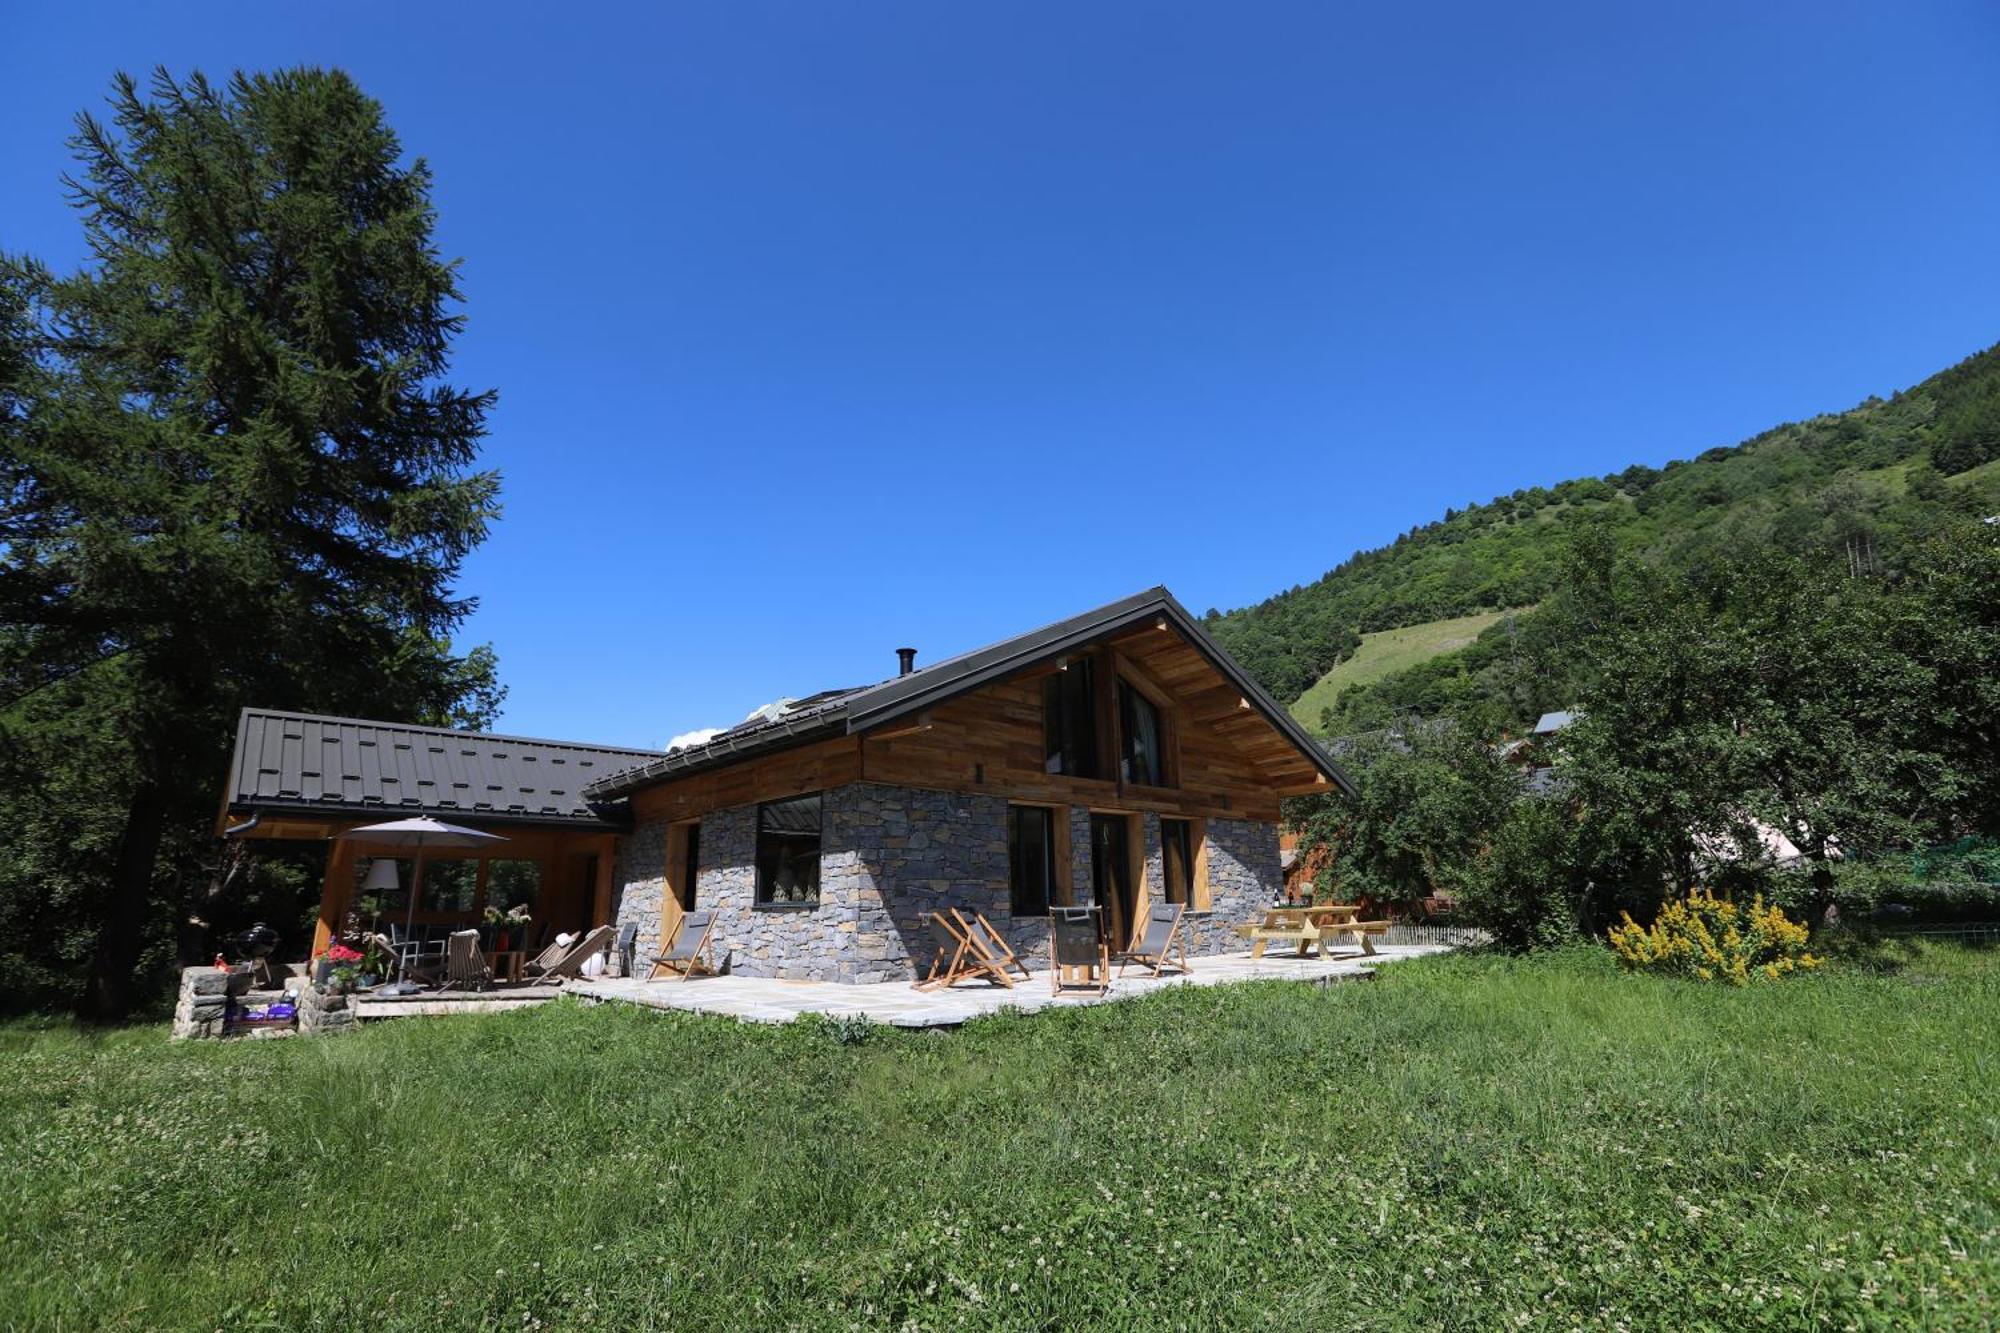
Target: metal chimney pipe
x,y
906,660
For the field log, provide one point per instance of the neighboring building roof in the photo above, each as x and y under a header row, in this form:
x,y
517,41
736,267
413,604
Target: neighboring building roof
x,y
312,764
1555,721
849,712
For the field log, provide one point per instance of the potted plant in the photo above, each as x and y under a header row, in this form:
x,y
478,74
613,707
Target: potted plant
x,y
338,968
374,965
503,928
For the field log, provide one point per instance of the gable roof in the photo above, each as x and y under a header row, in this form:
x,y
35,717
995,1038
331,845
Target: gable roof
x,y
309,763
850,712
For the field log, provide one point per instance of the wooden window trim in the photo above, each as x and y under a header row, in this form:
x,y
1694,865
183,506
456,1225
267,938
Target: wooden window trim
x,y
1062,892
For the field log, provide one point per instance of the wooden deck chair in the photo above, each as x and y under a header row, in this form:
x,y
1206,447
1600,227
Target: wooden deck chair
x,y
989,941
1161,940
544,960
464,965
1078,955
688,954
570,965
957,958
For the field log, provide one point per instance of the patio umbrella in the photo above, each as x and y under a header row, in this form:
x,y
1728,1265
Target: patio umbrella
x,y
416,835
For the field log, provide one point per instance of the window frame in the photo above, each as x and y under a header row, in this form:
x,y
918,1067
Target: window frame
x,y
1190,848
1070,741
1051,877
763,892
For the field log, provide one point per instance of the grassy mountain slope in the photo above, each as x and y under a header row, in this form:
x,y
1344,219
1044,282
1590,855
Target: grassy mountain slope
x,y
1388,651
1855,484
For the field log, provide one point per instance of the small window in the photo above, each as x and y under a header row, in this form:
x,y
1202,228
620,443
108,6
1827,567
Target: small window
x,y
1177,861
788,851
1142,761
1069,721
1031,858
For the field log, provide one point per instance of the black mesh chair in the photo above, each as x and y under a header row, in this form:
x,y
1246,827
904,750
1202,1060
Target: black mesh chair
x,y
628,942
1078,956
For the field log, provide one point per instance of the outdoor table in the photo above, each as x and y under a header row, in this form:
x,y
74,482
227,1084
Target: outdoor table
x,y
1305,925
507,963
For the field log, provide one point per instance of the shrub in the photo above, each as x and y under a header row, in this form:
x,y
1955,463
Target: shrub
x,y
1712,939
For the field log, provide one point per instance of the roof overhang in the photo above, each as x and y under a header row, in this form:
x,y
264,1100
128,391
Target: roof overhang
x,y
864,710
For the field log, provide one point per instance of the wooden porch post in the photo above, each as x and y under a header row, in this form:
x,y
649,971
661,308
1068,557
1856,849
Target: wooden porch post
x,y
334,893
607,857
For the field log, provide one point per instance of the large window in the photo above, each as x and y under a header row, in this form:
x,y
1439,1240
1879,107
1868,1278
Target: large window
x,y
513,883
449,885
1177,861
788,851
1031,858
1069,720
1143,762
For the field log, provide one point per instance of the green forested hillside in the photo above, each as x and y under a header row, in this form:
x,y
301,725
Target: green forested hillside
x,y
1855,486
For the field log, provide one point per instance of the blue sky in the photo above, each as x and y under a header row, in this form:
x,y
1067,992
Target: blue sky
x,y
822,328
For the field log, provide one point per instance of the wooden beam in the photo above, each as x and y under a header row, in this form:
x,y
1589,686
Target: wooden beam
x,y
335,890
607,862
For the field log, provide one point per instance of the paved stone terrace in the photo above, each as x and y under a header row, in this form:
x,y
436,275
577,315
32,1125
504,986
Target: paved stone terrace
x,y
771,1000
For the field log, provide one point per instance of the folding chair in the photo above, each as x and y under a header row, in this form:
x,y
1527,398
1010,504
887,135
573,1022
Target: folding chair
x,y
1162,939
1078,955
988,940
571,963
957,957
688,953
464,965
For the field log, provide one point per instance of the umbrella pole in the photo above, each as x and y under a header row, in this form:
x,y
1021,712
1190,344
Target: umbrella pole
x,y
410,918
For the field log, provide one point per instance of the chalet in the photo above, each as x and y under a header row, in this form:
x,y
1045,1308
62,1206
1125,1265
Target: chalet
x,y
1112,759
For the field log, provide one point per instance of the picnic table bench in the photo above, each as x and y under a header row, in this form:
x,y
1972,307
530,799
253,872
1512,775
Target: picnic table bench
x,y
1310,927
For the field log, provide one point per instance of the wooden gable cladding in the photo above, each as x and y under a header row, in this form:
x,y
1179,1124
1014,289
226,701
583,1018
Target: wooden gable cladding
x,y
808,768
1224,758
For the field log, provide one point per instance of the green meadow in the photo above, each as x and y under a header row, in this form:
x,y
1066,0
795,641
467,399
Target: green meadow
x,y
1464,1142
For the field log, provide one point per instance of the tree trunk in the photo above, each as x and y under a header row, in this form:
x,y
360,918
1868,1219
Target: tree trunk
x,y
120,936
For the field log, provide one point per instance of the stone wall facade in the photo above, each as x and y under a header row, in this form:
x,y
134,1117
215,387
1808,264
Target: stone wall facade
x,y
891,855
1245,876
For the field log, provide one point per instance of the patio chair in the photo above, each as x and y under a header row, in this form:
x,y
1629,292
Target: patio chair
x,y
415,952
980,931
1161,941
957,958
1078,955
546,959
570,964
464,965
688,953
628,941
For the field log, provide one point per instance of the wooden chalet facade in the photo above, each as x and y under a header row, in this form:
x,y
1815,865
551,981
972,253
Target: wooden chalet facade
x,y
1113,759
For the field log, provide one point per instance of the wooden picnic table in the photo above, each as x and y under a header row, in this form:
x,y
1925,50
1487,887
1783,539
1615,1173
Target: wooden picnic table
x,y
1310,927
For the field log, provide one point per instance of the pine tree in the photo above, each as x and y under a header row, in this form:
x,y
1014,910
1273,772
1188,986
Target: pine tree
x,y
235,473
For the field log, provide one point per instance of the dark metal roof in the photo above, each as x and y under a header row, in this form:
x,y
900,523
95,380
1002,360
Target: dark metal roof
x,y
846,712
306,763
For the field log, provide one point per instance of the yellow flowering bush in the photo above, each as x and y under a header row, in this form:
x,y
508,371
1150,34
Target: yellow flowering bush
x,y
1712,939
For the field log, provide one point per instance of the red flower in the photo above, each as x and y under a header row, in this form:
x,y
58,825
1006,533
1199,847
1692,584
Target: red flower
x,y
340,953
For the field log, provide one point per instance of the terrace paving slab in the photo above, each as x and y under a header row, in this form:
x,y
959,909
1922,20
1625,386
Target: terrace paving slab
x,y
898,1003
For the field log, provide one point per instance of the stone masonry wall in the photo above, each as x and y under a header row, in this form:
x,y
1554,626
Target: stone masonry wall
x,y
641,875
910,852
1244,877
890,855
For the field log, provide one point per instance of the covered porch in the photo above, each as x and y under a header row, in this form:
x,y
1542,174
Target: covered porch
x,y
548,854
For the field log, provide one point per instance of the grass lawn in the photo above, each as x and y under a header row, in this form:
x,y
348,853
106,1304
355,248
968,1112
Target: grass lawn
x,y
1466,1142
1387,651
